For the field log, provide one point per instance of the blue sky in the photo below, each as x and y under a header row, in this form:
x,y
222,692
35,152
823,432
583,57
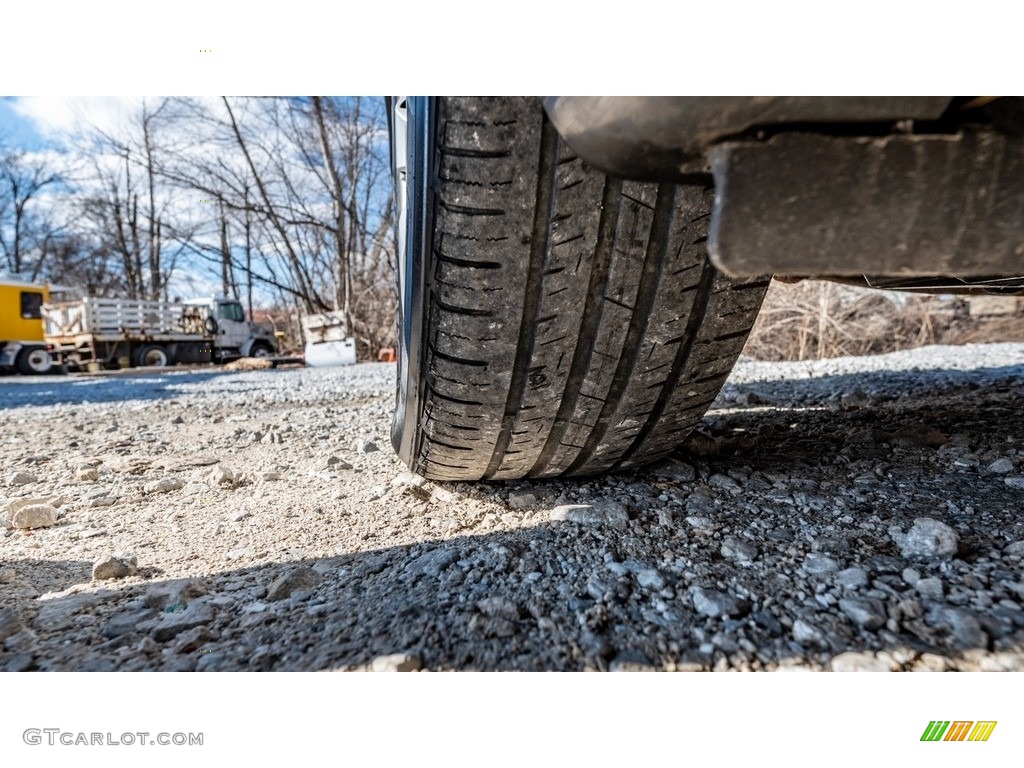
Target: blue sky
x,y
16,129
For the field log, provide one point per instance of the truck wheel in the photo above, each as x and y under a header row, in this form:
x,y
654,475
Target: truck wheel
x,y
553,321
33,361
261,350
152,356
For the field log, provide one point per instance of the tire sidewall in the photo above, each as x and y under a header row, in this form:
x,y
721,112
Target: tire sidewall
x,y
25,366
413,266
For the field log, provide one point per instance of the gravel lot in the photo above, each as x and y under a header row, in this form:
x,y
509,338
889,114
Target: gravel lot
x,y
846,514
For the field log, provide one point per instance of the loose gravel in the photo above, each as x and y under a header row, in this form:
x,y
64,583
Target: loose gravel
x,y
851,514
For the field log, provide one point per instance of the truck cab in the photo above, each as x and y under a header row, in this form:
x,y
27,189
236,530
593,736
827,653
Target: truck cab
x,y
233,334
22,347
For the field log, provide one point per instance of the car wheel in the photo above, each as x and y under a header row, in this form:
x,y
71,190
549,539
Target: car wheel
x,y
33,361
152,356
261,350
553,320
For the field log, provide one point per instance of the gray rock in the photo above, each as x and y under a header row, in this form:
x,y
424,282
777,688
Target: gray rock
x,y
963,626
866,613
712,603
101,501
500,607
173,594
806,633
91,533
241,515
852,578
1015,481
19,662
739,550
609,513
1016,549
817,564
1002,466
724,482
166,485
931,588
431,564
333,462
396,662
115,567
170,625
34,516
222,475
911,576
191,640
927,538
853,661
492,626
521,500
675,471
300,578
87,475
126,622
650,578
21,478
57,610
365,446
10,624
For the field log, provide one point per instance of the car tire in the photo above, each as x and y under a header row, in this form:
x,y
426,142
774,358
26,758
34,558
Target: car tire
x,y
261,350
553,320
33,361
152,356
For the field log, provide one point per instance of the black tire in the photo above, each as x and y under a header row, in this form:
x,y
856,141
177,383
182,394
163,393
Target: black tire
x,y
261,350
152,356
33,361
554,321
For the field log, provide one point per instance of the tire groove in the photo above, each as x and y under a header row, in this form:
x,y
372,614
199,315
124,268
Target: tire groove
x,y
700,305
541,235
647,291
607,228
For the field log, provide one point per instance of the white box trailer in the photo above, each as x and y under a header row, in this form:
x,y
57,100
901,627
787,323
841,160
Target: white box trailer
x,y
99,333
327,340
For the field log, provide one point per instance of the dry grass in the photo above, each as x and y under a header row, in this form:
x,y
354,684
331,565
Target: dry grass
x,y
813,319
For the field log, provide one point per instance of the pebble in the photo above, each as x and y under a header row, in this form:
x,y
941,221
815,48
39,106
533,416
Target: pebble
x,y
610,513
101,501
170,625
87,475
115,567
333,462
650,578
816,564
165,485
1016,549
1002,466
21,478
853,661
927,538
712,603
521,500
396,662
739,550
33,516
931,588
365,446
299,578
807,634
1014,481
852,578
222,475
866,613
126,622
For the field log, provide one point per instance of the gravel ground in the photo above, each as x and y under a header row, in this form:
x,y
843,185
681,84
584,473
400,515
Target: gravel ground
x,y
845,514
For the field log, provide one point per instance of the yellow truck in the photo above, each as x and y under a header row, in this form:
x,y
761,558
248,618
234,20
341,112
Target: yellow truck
x,y
22,346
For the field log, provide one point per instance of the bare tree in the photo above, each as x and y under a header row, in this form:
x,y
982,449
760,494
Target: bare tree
x,y
22,178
